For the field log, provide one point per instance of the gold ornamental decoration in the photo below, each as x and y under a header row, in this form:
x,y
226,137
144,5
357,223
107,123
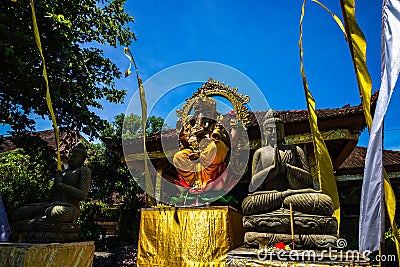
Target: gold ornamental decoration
x,y
203,96
215,88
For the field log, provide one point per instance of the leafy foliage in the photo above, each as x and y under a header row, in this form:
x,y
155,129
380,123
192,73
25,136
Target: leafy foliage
x,y
154,124
110,174
79,75
90,212
24,179
390,238
131,126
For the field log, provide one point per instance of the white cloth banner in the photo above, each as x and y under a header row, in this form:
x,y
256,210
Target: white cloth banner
x,y
372,197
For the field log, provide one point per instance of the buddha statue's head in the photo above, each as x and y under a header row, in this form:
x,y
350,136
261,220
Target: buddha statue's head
x,y
273,128
78,155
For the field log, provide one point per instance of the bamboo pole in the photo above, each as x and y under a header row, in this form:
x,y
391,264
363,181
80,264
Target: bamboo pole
x,y
291,224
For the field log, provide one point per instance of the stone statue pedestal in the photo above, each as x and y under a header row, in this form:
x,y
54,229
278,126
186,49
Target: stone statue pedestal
x,y
244,256
78,254
44,232
188,236
310,231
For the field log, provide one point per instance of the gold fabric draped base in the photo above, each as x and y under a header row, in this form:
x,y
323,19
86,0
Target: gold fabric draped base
x,y
188,236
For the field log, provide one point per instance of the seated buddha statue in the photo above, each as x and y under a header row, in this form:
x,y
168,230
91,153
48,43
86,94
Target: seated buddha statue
x,y
281,178
70,187
203,146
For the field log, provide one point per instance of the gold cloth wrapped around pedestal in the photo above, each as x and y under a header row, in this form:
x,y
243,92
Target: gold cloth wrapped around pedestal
x,y
178,237
79,254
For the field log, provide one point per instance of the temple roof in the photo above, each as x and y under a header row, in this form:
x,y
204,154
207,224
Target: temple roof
x,y
296,122
68,138
350,118
355,162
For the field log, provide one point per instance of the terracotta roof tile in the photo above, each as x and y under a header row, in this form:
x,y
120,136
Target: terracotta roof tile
x,y
7,145
68,138
355,162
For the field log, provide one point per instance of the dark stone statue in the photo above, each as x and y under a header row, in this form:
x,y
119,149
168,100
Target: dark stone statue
x,y
281,177
59,215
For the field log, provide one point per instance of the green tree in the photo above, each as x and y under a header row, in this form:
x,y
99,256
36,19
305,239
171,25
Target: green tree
x,y
79,74
24,179
154,124
110,174
131,126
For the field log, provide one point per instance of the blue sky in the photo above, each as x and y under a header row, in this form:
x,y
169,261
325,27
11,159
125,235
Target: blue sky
x,y
260,39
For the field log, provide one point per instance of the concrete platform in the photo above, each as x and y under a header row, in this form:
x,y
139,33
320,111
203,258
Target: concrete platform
x,y
79,254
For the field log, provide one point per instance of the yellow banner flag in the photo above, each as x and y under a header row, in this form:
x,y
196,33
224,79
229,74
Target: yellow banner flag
x,y
358,50
48,98
324,164
336,18
148,183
